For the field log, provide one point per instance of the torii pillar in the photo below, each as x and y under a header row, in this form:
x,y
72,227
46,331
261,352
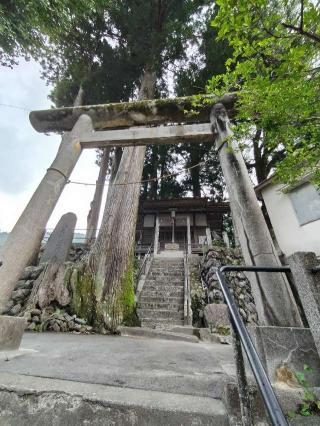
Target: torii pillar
x,y
25,238
271,291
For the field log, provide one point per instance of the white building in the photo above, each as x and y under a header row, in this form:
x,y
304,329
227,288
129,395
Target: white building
x,y
294,212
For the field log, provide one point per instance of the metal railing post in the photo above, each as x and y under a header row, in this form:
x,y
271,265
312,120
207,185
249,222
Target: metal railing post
x,y
269,397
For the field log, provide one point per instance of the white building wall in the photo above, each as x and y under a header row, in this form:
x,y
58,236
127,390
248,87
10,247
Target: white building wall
x,y
291,236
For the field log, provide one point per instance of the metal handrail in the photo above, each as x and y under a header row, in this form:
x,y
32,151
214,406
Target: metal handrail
x,y
146,257
273,407
187,315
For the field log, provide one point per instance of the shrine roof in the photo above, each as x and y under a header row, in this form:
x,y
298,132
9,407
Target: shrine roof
x,y
188,203
191,109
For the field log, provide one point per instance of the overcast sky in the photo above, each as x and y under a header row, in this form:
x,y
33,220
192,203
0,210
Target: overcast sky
x,y
25,154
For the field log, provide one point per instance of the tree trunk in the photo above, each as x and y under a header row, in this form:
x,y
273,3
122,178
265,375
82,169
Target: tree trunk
x,y
163,164
154,183
111,255
95,206
195,171
115,163
50,287
79,98
273,297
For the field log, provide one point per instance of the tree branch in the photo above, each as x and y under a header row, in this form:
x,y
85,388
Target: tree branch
x,y
298,30
301,15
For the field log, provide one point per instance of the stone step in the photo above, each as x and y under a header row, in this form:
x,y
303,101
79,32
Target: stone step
x,y
157,334
161,323
175,276
164,283
168,264
159,299
162,287
160,313
160,305
159,277
175,261
188,330
49,401
163,293
168,269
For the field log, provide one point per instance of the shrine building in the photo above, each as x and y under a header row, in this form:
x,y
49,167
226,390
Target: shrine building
x,y
179,224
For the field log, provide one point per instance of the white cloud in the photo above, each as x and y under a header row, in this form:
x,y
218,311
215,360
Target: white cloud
x,y
25,154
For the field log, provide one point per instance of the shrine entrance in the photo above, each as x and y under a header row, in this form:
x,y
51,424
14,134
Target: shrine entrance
x,y
143,123
180,237
177,218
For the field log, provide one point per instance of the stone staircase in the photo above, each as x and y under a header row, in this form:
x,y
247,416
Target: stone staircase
x,y
162,297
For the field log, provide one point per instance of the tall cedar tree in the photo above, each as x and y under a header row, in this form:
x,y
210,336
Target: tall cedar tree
x,y
155,34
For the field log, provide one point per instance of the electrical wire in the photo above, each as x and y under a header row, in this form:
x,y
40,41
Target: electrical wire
x,y
16,107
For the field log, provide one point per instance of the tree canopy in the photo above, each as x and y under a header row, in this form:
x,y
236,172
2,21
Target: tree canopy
x,y
107,53
26,25
275,69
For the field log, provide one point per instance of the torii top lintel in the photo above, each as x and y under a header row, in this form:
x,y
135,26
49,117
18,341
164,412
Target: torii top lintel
x,y
137,113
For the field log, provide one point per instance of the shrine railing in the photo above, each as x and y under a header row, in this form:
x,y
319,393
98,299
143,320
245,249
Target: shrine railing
x,y
142,269
242,339
187,315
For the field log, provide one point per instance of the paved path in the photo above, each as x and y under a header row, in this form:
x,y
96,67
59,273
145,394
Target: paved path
x,y
141,363
66,379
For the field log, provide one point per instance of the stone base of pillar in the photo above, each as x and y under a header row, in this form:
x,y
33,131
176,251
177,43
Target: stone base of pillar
x,y
284,351
11,332
171,246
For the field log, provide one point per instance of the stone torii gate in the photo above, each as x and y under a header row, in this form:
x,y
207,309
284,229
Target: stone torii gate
x,y
141,123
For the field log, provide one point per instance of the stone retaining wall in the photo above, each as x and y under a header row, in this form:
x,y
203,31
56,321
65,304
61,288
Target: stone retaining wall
x,y
239,284
52,318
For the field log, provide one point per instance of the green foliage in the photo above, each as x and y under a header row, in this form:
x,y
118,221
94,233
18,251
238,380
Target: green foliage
x,y
223,330
310,404
197,307
275,70
208,58
25,25
108,49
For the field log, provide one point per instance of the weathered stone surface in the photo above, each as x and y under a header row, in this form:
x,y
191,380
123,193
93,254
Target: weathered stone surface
x,y
290,346
59,243
21,284
16,309
308,286
288,397
24,240
161,301
19,294
49,402
128,114
206,336
216,315
239,285
11,331
174,134
50,287
273,296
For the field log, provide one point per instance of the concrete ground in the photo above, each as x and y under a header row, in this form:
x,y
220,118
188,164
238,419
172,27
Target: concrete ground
x,y
185,378
140,363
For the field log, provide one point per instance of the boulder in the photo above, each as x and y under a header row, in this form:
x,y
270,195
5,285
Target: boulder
x,y
216,315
